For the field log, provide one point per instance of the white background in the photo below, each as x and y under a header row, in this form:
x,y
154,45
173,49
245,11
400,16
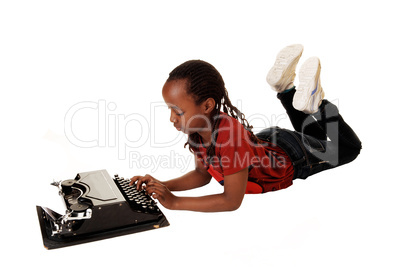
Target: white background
x,y
55,55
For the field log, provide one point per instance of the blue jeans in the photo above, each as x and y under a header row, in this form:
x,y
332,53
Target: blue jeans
x,y
320,141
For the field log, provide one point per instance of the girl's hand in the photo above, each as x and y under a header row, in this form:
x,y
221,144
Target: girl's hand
x,y
142,180
160,192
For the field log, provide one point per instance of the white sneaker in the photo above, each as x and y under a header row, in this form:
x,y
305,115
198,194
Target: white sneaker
x,y
309,93
281,76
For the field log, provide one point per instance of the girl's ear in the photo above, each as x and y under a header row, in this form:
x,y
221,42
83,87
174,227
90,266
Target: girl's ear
x,y
209,105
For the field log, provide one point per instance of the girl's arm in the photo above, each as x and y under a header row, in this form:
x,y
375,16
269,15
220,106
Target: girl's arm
x,y
193,179
230,199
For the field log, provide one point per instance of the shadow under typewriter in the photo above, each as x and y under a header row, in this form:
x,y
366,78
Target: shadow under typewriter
x,y
98,207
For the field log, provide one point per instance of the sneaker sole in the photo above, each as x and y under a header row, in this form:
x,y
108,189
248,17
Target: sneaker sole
x,y
288,56
309,94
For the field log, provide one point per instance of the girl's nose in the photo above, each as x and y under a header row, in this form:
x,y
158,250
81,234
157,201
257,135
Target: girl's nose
x,y
173,117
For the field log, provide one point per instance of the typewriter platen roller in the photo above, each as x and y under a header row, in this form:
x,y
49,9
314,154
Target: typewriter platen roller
x,y
98,207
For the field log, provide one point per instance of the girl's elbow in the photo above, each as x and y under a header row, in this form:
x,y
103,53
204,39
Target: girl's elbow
x,y
231,202
232,206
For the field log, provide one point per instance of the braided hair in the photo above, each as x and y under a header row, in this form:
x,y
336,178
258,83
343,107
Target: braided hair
x,y
203,82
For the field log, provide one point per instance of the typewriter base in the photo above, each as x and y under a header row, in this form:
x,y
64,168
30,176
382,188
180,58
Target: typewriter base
x,y
52,242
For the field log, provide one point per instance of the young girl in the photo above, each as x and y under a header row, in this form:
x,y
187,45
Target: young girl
x,y
225,148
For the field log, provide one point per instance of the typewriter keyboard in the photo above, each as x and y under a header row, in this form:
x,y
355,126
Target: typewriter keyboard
x,y
137,199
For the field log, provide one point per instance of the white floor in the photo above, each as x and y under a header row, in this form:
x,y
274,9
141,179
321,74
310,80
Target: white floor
x,y
81,88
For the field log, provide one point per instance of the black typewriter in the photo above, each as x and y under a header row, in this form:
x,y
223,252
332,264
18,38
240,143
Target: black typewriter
x,y
98,207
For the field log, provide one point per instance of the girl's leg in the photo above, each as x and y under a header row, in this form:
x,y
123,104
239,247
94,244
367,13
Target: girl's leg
x,y
327,139
341,136
321,141
302,122
325,124
322,120
341,143
281,77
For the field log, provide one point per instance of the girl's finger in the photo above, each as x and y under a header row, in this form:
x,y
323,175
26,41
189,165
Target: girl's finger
x,y
134,179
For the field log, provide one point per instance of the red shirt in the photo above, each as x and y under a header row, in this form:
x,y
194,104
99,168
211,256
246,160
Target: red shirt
x,y
270,168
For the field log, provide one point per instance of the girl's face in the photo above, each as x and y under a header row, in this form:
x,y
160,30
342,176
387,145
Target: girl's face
x,y
185,115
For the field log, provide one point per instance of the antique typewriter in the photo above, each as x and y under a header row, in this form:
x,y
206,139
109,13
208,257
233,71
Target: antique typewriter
x,y
98,207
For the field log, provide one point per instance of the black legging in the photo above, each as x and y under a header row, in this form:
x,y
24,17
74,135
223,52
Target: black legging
x,y
327,123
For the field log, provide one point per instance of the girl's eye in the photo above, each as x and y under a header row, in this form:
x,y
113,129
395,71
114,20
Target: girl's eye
x,y
178,112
